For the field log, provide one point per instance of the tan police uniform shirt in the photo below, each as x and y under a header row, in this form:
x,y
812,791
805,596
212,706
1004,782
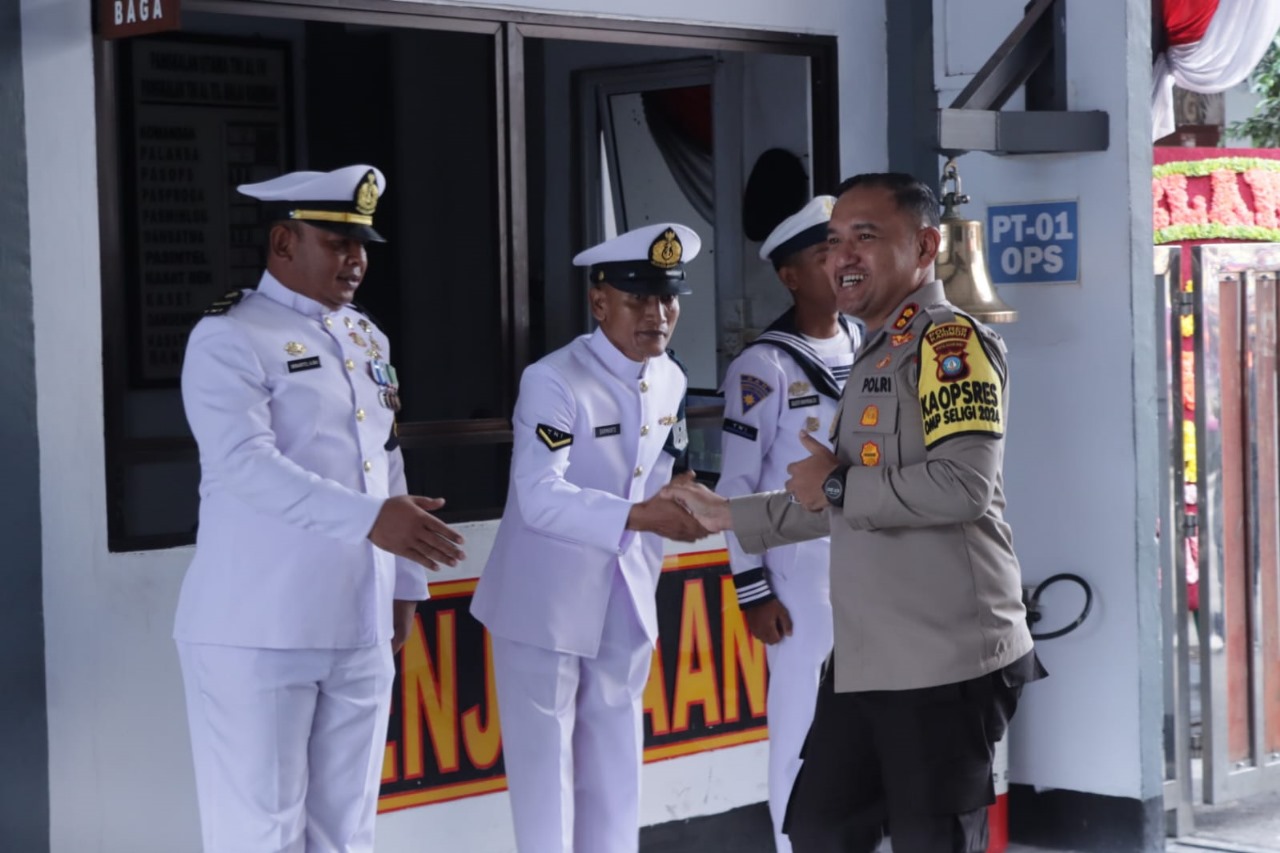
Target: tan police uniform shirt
x,y
925,587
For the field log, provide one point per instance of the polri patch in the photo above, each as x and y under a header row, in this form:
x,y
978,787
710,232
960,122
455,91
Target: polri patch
x,y
961,391
553,438
802,402
754,389
877,386
611,429
740,429
303,364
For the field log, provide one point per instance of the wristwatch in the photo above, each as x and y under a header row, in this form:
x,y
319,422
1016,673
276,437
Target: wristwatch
x,y
833,486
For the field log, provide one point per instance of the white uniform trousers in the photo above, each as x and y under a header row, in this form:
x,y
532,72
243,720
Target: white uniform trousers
x,y
572,737
288,745
795,670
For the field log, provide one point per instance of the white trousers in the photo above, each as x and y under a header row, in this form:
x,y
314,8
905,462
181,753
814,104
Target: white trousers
x,y
795,669
572,737
288,745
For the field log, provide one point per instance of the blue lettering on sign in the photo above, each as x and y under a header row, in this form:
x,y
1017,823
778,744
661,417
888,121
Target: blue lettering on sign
x,y
1034,243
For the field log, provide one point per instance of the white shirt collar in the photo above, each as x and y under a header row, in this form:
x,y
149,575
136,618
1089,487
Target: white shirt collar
x,y
613,358
271,287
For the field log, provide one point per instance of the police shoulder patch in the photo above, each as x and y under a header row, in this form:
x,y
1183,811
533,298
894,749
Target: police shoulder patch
x,y
224,303
961,388
553,438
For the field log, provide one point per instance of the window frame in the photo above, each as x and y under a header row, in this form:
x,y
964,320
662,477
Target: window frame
x,y
509,29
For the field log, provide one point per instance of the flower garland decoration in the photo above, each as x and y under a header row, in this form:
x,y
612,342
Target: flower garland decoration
x,y
1177,218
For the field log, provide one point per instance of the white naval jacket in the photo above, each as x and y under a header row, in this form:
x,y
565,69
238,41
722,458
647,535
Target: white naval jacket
x,y
590,428
776,387
296,458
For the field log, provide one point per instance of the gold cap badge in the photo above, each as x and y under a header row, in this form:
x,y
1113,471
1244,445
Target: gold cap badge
x,y
367,195
666,250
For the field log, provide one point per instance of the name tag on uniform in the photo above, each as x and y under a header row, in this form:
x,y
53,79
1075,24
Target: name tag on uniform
x,y
801,402
877,385
304,364
611,429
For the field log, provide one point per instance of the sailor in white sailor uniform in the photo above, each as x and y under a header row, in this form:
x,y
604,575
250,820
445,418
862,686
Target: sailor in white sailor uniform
x,y
306,569
786,381
568,591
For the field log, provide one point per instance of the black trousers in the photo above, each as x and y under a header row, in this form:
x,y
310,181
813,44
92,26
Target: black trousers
x,y
914,763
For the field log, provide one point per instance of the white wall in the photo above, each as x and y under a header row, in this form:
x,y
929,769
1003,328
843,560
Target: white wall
x,y
120,772
1080,470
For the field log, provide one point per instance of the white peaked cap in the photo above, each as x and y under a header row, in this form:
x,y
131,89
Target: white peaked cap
x,y
649,259
802,229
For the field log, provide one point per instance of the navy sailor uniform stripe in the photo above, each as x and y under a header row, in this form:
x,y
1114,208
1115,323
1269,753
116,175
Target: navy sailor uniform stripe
x,y
752,587
783,334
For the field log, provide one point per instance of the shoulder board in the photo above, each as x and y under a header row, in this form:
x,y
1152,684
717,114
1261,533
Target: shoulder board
x,y
680,364
941,313
992,343
224,303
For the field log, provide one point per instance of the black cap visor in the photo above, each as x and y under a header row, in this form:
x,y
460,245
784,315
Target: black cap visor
x,y
786,250
640,277
348,229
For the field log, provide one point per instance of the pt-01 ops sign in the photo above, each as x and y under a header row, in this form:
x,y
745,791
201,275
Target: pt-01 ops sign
x,y
1034,243
706,688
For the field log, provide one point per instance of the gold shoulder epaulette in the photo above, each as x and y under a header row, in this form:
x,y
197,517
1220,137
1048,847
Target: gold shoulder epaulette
x,y
224,303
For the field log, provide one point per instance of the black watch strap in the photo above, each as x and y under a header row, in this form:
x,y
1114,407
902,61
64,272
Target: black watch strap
x,y
833,486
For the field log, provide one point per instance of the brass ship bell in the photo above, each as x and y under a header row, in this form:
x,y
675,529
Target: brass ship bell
x,y
962,258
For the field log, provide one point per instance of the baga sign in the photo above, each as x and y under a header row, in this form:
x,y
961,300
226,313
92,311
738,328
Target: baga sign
x,y
124,18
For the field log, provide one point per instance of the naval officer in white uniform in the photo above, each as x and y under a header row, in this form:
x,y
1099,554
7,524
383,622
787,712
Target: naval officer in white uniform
x,y
785,382
309,555
568,592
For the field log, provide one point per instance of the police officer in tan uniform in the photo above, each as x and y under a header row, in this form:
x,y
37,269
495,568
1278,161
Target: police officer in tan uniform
x,y
931,642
